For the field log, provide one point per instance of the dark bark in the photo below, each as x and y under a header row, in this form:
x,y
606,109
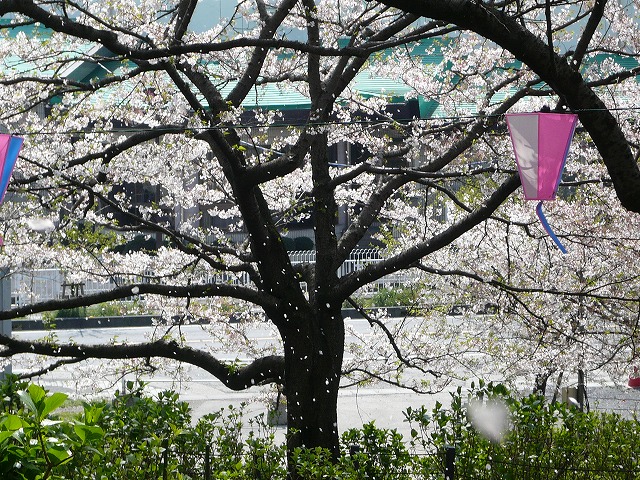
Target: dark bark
x,y
183,17
152,52
192,291
268,369
314,346
540,383
313,330
371,209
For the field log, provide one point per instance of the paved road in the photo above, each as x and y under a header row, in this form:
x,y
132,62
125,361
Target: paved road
x,y
356,405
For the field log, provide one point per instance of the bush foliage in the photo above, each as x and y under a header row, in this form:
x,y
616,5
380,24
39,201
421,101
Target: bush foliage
x,y
143,437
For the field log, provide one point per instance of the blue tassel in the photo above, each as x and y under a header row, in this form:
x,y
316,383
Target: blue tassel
x,y
546,226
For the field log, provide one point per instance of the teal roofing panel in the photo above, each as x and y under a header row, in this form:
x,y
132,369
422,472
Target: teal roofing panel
x,y
273,97
29,30
368,84
15,64
285,97
427,107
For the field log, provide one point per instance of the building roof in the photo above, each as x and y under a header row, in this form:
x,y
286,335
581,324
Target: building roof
x,y
279,96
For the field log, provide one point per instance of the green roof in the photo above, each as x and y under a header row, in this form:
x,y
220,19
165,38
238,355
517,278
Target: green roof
x,y
272,97
285,96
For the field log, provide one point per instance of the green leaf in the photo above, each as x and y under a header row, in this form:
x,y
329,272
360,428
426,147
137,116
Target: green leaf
x,y
37,392
12,422
59,453
53,402
88,433
81,431
92,413
26,399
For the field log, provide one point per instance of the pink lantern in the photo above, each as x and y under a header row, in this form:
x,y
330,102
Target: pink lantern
x,y
9,149
541,143
634,379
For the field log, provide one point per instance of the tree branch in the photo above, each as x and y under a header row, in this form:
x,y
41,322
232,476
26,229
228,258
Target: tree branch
x,y
371,272
49,368
183,17
587,34
246,82
513,289
506,31
263,299
392,341
109,38
368,215
112,151
269,369
388,381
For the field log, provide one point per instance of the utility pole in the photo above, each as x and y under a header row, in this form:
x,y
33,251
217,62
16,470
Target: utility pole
x,y
582,391
5,325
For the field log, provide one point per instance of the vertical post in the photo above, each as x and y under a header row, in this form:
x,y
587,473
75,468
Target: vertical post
x,y
165,459
449,462
581,388
5,325
207,462
353,451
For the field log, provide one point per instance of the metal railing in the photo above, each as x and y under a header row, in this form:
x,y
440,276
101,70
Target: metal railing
x,y
30,286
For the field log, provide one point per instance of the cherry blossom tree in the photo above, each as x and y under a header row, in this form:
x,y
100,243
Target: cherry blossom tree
x,y
138,127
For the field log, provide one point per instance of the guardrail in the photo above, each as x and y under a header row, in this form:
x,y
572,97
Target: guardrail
x,y
30,286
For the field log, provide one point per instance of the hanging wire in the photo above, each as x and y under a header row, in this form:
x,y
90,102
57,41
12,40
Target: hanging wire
x,y
405,121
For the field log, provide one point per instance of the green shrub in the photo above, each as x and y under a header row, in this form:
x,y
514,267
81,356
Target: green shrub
x,y
375,453
36,446
142,437
389,297
545,440
76,312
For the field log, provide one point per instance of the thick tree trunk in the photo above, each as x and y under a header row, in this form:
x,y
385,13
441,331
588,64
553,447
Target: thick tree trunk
x,y
314,346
